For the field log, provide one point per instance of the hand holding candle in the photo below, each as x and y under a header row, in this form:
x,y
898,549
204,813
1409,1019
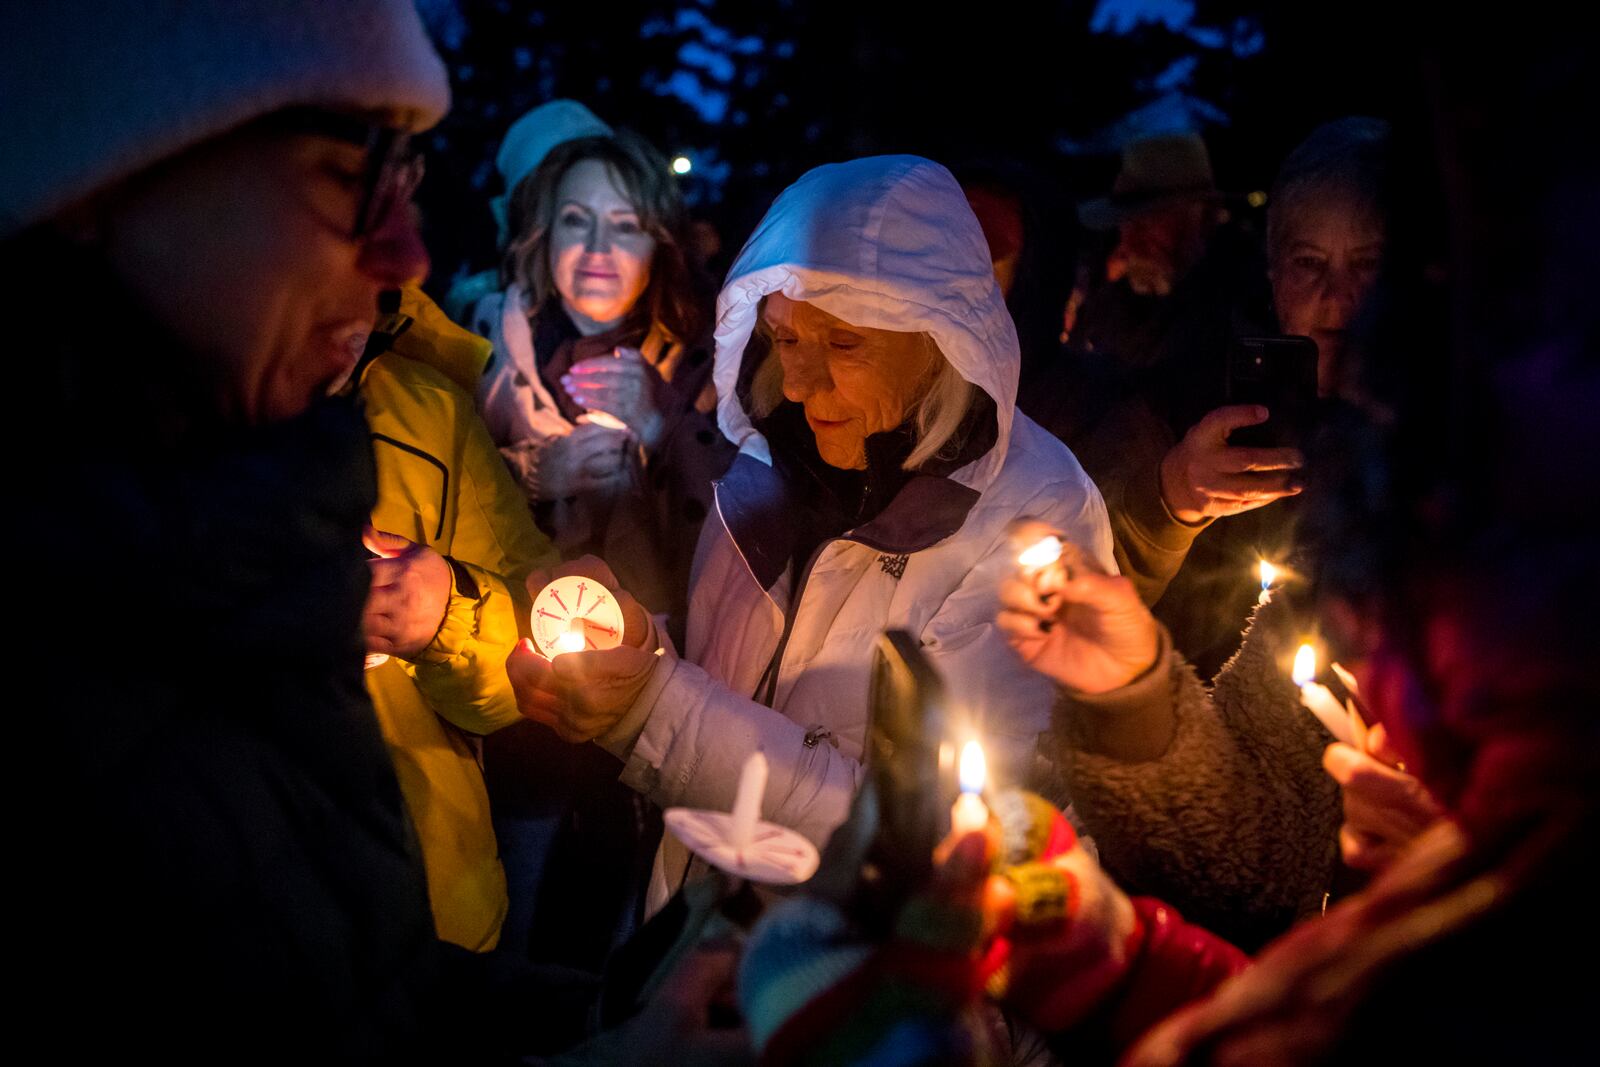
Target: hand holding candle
x,y
1069,620
620,392
591,652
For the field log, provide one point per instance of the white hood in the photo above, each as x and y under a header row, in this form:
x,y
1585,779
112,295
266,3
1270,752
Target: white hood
x,y
886,242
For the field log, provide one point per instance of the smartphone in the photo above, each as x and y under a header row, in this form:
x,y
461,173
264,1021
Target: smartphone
x,y
1279,373
912,764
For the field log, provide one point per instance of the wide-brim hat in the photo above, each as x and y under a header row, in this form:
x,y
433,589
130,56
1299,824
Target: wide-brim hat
x,y
1155,172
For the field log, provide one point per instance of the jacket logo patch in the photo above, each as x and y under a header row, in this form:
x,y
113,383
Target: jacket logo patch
x,y
894,566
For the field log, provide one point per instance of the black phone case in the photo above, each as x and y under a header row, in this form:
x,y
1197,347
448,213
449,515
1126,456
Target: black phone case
x,y
1279,373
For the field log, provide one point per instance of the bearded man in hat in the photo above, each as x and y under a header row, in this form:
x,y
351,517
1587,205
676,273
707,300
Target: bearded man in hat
x,y
1180,279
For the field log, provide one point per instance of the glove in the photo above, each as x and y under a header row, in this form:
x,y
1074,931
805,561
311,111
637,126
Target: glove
x,y
1075,946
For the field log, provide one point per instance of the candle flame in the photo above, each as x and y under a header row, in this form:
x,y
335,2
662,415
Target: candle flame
x,y
1041,553
1305,665
974,769
1269,574
605,419
574,640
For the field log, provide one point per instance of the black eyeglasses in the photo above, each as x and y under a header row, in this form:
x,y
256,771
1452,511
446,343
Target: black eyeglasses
x,y
394,171
394,168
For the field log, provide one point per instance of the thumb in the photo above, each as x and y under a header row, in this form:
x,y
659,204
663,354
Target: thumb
x,y
1342,761
386,545
638,628
525,667
1083,581
1382,747
1220,423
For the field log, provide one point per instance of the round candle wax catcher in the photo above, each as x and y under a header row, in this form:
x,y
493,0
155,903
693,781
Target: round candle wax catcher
x,y
575,609
774,855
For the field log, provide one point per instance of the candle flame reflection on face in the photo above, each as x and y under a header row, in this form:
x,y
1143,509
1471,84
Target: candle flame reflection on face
x,y
974,769
1305,665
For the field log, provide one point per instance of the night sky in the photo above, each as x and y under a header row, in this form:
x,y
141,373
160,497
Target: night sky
x,y
755,94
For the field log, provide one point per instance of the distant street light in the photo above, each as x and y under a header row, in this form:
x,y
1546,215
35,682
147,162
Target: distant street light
x,y
681,165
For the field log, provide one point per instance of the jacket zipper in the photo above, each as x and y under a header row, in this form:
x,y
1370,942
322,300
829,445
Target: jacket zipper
x,y
767,688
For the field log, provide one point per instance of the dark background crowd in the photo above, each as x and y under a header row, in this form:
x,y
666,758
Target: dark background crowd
x,y
754,95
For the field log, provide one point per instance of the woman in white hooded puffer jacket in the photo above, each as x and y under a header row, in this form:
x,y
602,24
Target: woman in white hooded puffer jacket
x,y
790,588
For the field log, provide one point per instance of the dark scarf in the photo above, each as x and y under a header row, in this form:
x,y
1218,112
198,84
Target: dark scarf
x,y
557,346
227,556
829,501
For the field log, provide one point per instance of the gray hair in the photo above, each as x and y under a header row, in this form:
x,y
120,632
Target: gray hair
x,y
1347,157
937,414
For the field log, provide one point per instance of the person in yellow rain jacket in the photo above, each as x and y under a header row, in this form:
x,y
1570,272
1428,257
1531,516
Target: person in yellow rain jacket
x,y
453,539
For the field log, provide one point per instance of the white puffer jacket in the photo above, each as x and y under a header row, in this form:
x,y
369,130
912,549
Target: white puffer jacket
x,y
887,242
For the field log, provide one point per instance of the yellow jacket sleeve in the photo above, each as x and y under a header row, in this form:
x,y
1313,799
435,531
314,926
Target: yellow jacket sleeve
x,y
442,482
494,545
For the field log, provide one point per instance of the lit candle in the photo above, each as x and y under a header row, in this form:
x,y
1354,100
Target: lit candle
x,y
1269,574
970,812
606,419
1347,678
747,801
574,613
572,639
1319,699
1358,721
1039,555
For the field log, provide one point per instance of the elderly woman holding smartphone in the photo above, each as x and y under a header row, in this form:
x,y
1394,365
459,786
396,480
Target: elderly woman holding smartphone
x,y
1325,237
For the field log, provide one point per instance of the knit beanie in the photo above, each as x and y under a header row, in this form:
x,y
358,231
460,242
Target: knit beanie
x,y
530,139
798,951
97,90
